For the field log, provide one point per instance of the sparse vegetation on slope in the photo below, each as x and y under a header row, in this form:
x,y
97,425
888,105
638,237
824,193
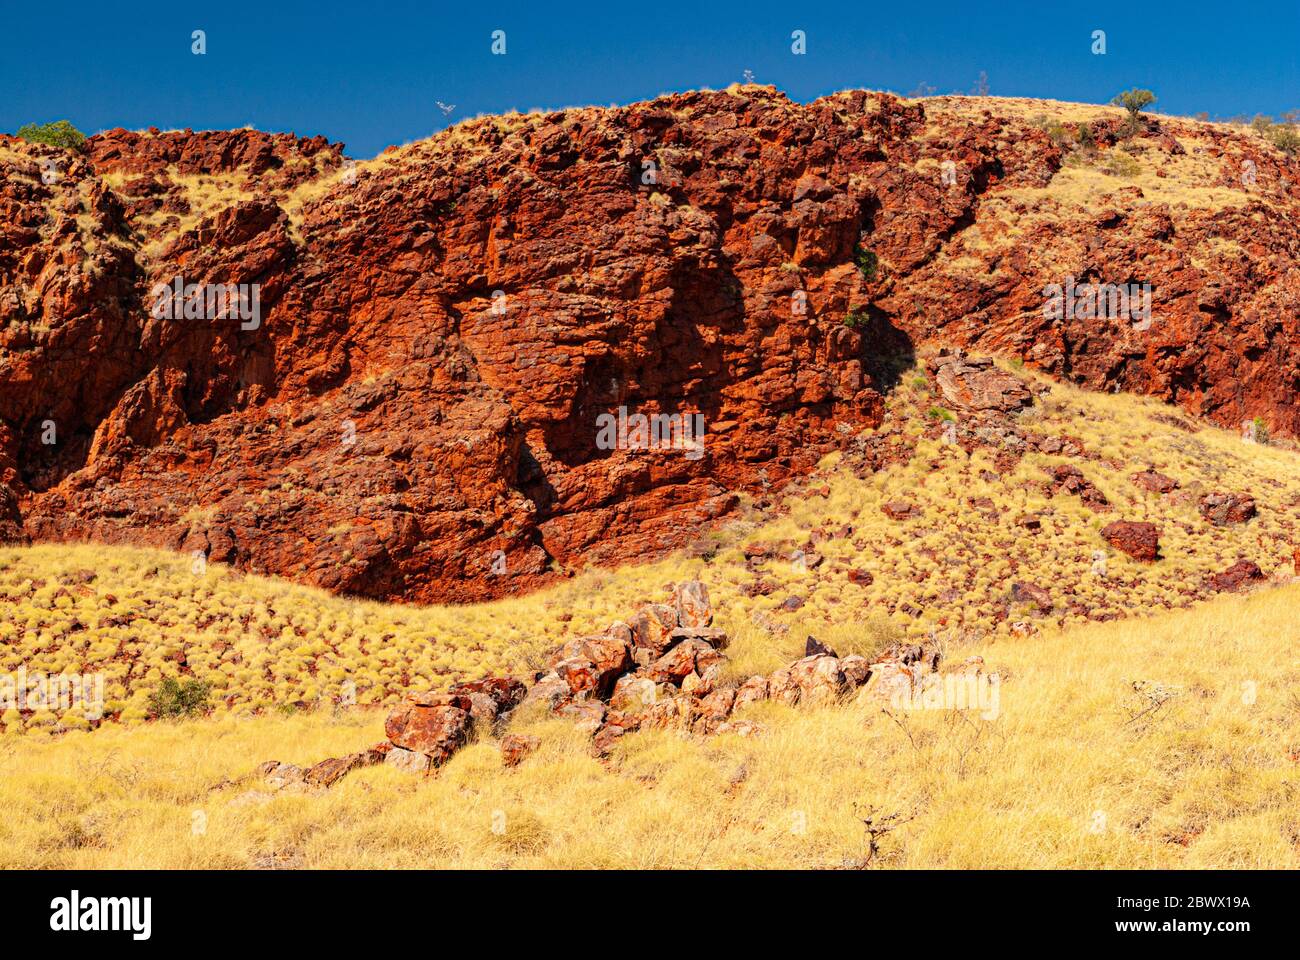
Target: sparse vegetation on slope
x,y
835,565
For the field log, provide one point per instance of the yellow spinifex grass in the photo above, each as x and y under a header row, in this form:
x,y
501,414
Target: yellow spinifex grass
x,y
1075,770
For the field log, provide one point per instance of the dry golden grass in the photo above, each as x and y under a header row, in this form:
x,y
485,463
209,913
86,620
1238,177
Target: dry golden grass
x,y
1068,772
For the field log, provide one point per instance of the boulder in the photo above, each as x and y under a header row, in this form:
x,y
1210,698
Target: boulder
x,y
713,636
634,693
717,705
1140,540
1067,478
1222,509
898,510
588,715
329,772
689,656
280,775
1153,482
890,679
856,669
1239,576
592,664
819,679
751,691
1036,596
691,600
411,761
652,628
516,746
433,724
549,689
977,385
491,696
617,725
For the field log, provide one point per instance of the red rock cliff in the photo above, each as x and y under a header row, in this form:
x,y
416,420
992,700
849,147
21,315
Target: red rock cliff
x,y
413,412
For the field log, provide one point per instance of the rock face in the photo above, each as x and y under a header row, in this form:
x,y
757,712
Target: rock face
x,y
413,413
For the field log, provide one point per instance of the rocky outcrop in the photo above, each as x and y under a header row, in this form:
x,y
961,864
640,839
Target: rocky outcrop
x,y
415,413
682,689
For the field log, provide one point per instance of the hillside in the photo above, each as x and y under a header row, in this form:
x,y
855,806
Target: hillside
x,y
411,415
904,536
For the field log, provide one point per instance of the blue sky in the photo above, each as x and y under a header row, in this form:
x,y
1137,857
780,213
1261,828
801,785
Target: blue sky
x,y
371,73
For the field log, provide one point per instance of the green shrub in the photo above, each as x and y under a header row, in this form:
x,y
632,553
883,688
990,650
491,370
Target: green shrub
x,y
1134,101
857,318
1261,431
939,413
1284,136
179,699
866,261
60,133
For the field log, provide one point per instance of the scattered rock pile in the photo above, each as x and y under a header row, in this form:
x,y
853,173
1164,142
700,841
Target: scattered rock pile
x,y
662,668
1068,478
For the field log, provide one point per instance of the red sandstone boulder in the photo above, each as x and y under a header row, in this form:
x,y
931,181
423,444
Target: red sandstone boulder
x,y
1154,482
687,657
409,761
1139,540
652,628
633,693
593,664
1222,509
977,385
436,725
329,772
898,510
1032,594
491,696
751,691
1067,478
516,746
1239,576
691,599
